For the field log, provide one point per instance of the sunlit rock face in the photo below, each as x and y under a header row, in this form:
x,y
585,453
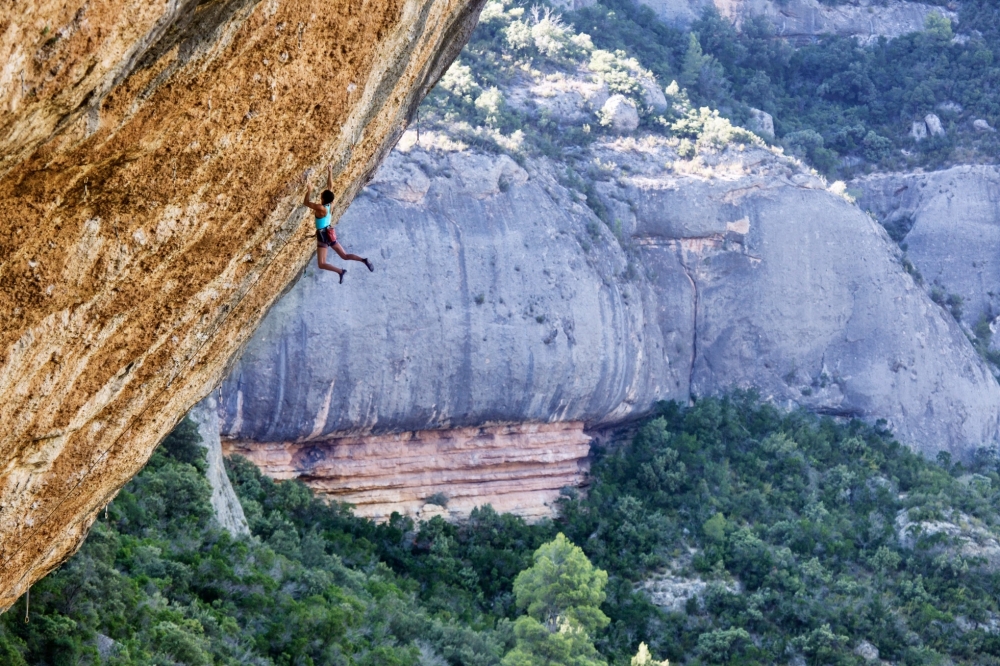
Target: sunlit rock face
x,y
500,298
807,19
151,156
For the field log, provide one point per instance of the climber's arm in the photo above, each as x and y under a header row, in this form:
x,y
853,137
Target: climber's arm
x,y
316,208
329,177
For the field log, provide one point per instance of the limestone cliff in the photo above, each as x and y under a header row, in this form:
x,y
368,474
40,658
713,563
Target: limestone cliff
x,y
151,156
949,223
500,297
807,19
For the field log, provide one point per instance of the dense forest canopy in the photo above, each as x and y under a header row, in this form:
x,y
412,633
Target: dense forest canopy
x,y
810,538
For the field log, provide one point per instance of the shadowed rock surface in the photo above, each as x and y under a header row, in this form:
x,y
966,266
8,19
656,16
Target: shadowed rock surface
x,y
500,297
152,157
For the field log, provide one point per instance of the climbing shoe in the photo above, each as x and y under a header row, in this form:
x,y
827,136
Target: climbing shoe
x,y
369,265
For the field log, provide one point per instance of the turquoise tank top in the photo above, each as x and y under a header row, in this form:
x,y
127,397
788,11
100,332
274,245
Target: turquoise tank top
x,y
323,222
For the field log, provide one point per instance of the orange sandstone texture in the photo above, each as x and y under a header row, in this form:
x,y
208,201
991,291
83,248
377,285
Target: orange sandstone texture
x,y
519,469
151,159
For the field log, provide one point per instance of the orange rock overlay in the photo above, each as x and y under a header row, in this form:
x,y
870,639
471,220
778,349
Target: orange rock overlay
x,y
519,469
152,156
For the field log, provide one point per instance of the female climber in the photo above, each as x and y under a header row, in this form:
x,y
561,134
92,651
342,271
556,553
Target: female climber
x,y
325,235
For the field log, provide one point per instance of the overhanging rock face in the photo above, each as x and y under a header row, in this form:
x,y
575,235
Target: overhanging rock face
x,y
151,159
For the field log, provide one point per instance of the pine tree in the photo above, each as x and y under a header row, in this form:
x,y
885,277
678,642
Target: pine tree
x,y
561,594
694,60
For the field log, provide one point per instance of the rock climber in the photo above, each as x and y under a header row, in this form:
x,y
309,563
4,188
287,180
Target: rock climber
x,y
325,235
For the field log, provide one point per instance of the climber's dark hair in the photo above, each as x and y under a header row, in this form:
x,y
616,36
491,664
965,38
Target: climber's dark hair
x,y
326,197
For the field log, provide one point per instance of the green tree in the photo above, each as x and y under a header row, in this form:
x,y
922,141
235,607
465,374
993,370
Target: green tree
x,y
939,26
694,60
561,594
701,72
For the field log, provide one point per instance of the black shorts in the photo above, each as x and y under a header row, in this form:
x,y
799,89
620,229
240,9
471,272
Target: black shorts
x,y
325,237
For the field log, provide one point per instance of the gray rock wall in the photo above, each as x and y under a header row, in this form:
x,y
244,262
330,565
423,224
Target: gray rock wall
x,y
802,295
228,510
804,19
949,223
484,307
499,297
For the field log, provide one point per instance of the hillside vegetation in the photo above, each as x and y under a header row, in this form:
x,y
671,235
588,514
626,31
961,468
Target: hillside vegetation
x,y
804,540
842,106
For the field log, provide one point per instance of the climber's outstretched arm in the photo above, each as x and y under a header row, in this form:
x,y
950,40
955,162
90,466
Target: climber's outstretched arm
x,y
329,177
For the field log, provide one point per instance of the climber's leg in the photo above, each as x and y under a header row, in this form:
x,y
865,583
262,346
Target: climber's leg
x,y
321,261
338,248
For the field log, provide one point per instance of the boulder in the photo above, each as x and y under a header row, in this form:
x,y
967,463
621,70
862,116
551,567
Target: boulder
x,y
653,95
867,651
934,125
952,108
918,130
619,113
762,123
981,125
567,99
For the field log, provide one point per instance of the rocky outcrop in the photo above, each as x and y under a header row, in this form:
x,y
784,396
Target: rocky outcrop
x,y
671,593
485,307
152,158
567,99
806,19
964,536
518,469
499,297
949,223
761,123
228,510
